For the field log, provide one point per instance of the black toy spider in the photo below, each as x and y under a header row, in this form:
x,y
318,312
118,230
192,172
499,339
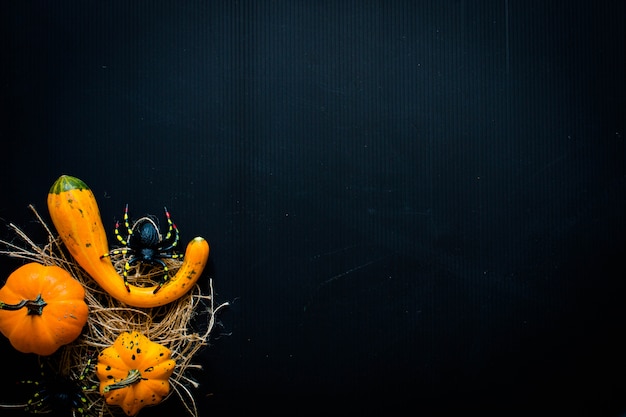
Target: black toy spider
x,y
144,244
60,394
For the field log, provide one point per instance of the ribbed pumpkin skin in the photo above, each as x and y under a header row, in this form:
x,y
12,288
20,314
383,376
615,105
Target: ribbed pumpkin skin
x,y
132,351
76,217
62,318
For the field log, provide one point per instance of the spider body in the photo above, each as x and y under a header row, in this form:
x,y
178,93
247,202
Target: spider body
x,y
145,244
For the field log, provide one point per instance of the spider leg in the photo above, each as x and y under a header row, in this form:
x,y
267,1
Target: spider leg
x,y
166,275
38,403
80,404
172,235
171,255
89,367
117,233
129,229
127,266
118,236
123,251
80,407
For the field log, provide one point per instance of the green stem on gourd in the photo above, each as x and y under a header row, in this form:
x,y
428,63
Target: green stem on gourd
x,y
133,376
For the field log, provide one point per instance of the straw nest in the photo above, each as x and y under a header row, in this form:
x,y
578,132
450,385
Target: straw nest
x,y
183,326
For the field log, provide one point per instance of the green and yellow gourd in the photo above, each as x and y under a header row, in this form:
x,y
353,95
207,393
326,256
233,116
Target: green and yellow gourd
x,y
76,217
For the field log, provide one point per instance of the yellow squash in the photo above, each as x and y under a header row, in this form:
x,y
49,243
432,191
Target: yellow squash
x,y
76,217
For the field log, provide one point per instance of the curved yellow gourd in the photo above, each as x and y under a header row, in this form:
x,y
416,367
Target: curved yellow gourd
x,y
76,217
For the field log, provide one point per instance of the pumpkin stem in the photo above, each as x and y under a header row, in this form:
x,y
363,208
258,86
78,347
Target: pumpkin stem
x,y
133,376
35,307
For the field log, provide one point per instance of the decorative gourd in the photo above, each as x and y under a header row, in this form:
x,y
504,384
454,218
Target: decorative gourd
x,y
42,308
134,372
76,216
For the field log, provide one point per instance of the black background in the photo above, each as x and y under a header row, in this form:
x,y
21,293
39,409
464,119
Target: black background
x,y
410,204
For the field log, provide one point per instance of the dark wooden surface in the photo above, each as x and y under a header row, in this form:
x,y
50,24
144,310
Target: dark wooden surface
x,y
409,204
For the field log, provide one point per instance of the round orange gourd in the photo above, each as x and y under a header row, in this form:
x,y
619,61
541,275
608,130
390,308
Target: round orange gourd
x,y
134,372
76,216
41,308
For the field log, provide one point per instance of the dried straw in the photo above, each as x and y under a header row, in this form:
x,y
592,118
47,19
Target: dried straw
x,y
171,325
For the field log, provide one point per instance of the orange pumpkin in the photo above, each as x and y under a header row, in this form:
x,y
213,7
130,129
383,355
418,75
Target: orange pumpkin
x,y
134,372
42,308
